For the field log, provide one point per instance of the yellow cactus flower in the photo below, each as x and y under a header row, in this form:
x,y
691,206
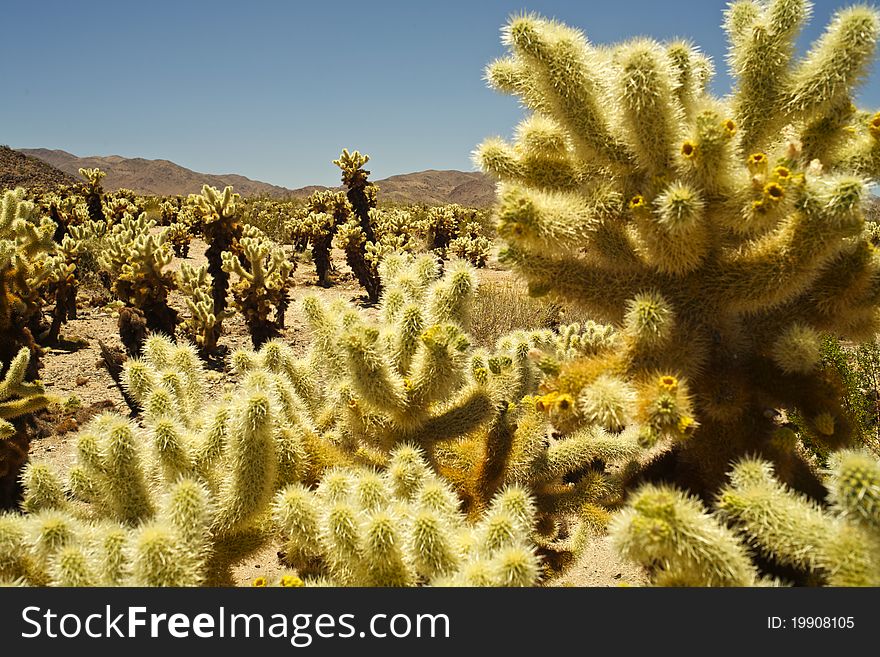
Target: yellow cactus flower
x,y
689,150
729,127
291,581
669,383
637,202
565,402
757,163
773,191
259,581
545,403
782,173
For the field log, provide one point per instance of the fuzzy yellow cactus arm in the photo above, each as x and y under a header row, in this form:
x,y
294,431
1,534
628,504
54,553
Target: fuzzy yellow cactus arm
x,y
841,549
17,396
671,531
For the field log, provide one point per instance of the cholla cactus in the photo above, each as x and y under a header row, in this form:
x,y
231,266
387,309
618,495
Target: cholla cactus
x,y
357,236
454,230
18,399
471,245
94,193
403,379
326,210
173,502
203,326
62,284
116,207
362,256
135,258
180,237
25,249
439,225
222,232
395,227
721,237
403,528
838,546
411,376
61,208
361,193
169,210
263,286
35,269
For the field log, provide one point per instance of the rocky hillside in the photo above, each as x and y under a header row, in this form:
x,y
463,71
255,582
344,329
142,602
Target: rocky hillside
x,y
19,170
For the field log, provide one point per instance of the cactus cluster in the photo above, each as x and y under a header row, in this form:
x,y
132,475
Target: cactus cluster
x,y
412,376
326,211
201,483
136,257
720,237
173,502
402,527
451,230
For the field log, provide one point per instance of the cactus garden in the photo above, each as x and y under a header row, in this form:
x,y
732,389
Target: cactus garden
x,y
653,360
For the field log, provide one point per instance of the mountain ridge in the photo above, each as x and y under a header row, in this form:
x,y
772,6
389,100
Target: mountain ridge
x,y
164,177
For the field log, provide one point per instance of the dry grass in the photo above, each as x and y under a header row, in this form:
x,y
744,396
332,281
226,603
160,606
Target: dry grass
x,y
504,306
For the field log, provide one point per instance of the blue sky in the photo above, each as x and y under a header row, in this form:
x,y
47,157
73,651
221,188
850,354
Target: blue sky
x,y
275,90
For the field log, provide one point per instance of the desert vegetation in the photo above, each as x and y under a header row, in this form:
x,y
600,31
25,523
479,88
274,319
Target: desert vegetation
x,y
662,337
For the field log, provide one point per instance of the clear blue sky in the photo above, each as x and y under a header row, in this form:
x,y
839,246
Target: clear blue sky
x,y
275,90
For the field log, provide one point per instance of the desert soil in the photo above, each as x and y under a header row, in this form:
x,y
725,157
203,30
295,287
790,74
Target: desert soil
x,y
77,372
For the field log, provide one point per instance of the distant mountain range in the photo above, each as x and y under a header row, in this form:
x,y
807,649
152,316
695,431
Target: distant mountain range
x,y
164,177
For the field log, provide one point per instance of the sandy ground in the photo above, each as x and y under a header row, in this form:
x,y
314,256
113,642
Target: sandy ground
x,y
75,373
